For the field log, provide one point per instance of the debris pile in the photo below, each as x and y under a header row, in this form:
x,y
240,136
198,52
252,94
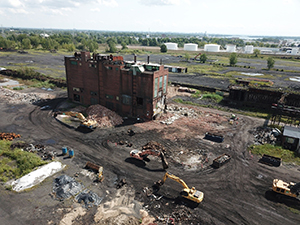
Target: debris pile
x,y
179,112
65,187
9,136
17,97
39,149
265,135
103,116
155,146
89,198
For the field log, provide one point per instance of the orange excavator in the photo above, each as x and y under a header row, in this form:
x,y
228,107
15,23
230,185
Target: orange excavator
x,y
142,155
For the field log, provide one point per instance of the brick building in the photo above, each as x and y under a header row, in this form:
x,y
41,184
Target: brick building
x,y
130,88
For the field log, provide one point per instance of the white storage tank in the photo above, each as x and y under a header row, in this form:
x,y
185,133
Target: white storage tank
x,y
171,46
190,47
212,48
249,49
230,48
294,51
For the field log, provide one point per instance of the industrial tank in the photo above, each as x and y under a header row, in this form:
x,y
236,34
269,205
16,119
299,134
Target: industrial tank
x,y
190,47
294,51
211,48
171,46
230,48
249,49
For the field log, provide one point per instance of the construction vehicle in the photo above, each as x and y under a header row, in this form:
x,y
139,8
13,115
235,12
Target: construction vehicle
x,y
142,155
197,56
189,193
84,122
97,169
288,189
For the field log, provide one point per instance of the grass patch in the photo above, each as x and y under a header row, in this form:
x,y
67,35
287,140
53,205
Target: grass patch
x,y
296,211
214,97
277,151
16,163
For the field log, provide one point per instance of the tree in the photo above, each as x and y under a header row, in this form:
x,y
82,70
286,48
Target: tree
x,y
124,46
111,45
270,63
163,48
26,44
233,59
256,52
203,58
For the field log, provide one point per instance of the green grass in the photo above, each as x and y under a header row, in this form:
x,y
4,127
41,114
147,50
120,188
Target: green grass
x,y
277,151
16,163
214,97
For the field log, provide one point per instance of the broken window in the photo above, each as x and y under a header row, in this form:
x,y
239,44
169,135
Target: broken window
x,y
160,82
76,89
126,99
76,97
109,96
94,101
73,62
139,101
165,83
93,93
155,87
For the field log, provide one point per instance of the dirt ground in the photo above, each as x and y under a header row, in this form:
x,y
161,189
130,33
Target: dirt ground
x,y
233,194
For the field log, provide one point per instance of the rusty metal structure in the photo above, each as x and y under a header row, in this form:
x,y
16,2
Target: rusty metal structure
x,y
130,88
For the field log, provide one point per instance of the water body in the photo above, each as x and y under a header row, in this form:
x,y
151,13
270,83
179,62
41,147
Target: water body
x,y
295,79
253,74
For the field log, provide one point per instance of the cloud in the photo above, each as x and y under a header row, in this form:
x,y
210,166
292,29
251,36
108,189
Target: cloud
x,y
160,2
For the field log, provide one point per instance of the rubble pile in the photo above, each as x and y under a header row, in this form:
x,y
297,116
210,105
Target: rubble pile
x,y
179,112
89,198
39,149
155,146
65,187
17,97
9,136
103,116
265,135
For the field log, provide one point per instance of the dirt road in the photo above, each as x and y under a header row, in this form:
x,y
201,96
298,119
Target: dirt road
x,y
233,194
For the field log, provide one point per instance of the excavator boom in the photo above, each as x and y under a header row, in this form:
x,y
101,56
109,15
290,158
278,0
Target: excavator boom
x,y
142,155
188,193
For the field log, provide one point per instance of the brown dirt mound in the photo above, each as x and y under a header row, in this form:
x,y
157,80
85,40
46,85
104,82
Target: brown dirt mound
x,y
104,116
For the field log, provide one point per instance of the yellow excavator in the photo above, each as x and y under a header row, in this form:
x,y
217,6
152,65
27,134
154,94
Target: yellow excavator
x,y
188,193
84,122
288,189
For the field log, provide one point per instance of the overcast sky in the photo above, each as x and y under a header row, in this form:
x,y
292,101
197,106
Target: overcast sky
x,y
236,17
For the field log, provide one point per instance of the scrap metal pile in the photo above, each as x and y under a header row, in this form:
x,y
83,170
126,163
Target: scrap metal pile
x,y
39,149
9,136
17,97
179,112
265,135
155,146
103,116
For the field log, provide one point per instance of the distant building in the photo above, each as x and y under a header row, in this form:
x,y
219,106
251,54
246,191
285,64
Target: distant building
x,y
212,48
171,46
190,47
130,88
291,136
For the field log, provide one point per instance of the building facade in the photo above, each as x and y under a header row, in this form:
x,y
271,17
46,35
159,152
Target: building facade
x,y
129,88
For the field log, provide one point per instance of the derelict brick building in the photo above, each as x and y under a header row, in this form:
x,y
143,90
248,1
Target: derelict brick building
x,y
129,88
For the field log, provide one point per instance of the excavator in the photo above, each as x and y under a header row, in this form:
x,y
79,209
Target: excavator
x,y
288,189
84,122
189,193
142,155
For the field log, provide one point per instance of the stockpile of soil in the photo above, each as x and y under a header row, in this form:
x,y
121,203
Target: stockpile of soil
x,y
104,116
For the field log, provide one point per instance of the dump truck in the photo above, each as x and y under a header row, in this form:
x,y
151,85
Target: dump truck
x,y
221,160
214,137
188,193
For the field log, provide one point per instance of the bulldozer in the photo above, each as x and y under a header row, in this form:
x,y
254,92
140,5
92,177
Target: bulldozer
x,y
142,155
288,189
188,193
84,122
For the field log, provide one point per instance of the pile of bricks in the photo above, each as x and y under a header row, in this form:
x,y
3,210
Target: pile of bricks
x,y
9,136
103,116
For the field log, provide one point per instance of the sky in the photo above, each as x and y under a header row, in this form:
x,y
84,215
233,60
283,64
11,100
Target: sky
x,y
231,17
